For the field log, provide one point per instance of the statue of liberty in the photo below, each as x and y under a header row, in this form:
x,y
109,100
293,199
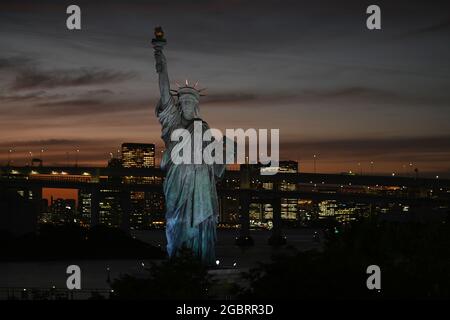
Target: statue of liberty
x,y
189,189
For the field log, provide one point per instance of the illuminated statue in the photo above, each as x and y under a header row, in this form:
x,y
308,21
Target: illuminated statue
x,y
189,189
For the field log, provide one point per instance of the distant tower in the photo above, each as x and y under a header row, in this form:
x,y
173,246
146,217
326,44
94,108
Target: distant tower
x,y
138,155
145,206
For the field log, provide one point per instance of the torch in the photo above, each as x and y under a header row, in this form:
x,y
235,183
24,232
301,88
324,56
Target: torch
x,y
159,41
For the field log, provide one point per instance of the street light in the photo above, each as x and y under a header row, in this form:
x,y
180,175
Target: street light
x,y
108,274
161,157
76,157
9,157
315,157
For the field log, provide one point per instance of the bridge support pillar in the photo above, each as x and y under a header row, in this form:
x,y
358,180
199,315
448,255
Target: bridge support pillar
x,y
125,204
277,237
244,238
37,198
95,198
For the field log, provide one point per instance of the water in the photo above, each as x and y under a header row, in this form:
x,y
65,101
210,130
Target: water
x,y
95,273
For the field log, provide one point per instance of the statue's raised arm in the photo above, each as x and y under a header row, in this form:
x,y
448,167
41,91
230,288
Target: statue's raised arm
x,y
161,65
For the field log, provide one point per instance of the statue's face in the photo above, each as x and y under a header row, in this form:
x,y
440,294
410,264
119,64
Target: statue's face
x,y
189,106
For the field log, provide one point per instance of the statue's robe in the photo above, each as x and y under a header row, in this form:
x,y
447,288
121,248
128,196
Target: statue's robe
x,y
190,192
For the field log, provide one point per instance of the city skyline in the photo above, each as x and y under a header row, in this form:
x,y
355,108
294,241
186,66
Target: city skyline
x,y
334,89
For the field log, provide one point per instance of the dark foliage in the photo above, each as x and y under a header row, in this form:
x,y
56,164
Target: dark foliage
x,y
414,259
182,277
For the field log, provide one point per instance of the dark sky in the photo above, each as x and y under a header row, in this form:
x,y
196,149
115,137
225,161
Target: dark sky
x,y
309,68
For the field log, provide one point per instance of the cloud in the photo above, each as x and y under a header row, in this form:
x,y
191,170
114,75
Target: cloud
x,y
337,97
99,92
59,146
22,97
387,148
61,151
352,92
440,26
48,142
228,98
86,106
16,62
70,103
31,96
360,94
35,78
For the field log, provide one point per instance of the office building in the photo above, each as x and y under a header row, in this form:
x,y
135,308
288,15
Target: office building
x,y
138,155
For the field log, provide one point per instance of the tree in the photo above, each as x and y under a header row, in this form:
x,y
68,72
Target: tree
x,y
182,277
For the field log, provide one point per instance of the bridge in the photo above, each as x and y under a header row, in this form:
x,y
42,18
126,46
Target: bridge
x,y
246,185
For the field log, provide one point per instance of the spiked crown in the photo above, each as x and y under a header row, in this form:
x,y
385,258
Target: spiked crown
x,y
188,89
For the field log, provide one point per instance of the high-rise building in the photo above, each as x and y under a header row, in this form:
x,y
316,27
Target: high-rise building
x,y
261,214
146,207
289,207
340,211
138,155
228,210
109,208
18,213
63,210
85,206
